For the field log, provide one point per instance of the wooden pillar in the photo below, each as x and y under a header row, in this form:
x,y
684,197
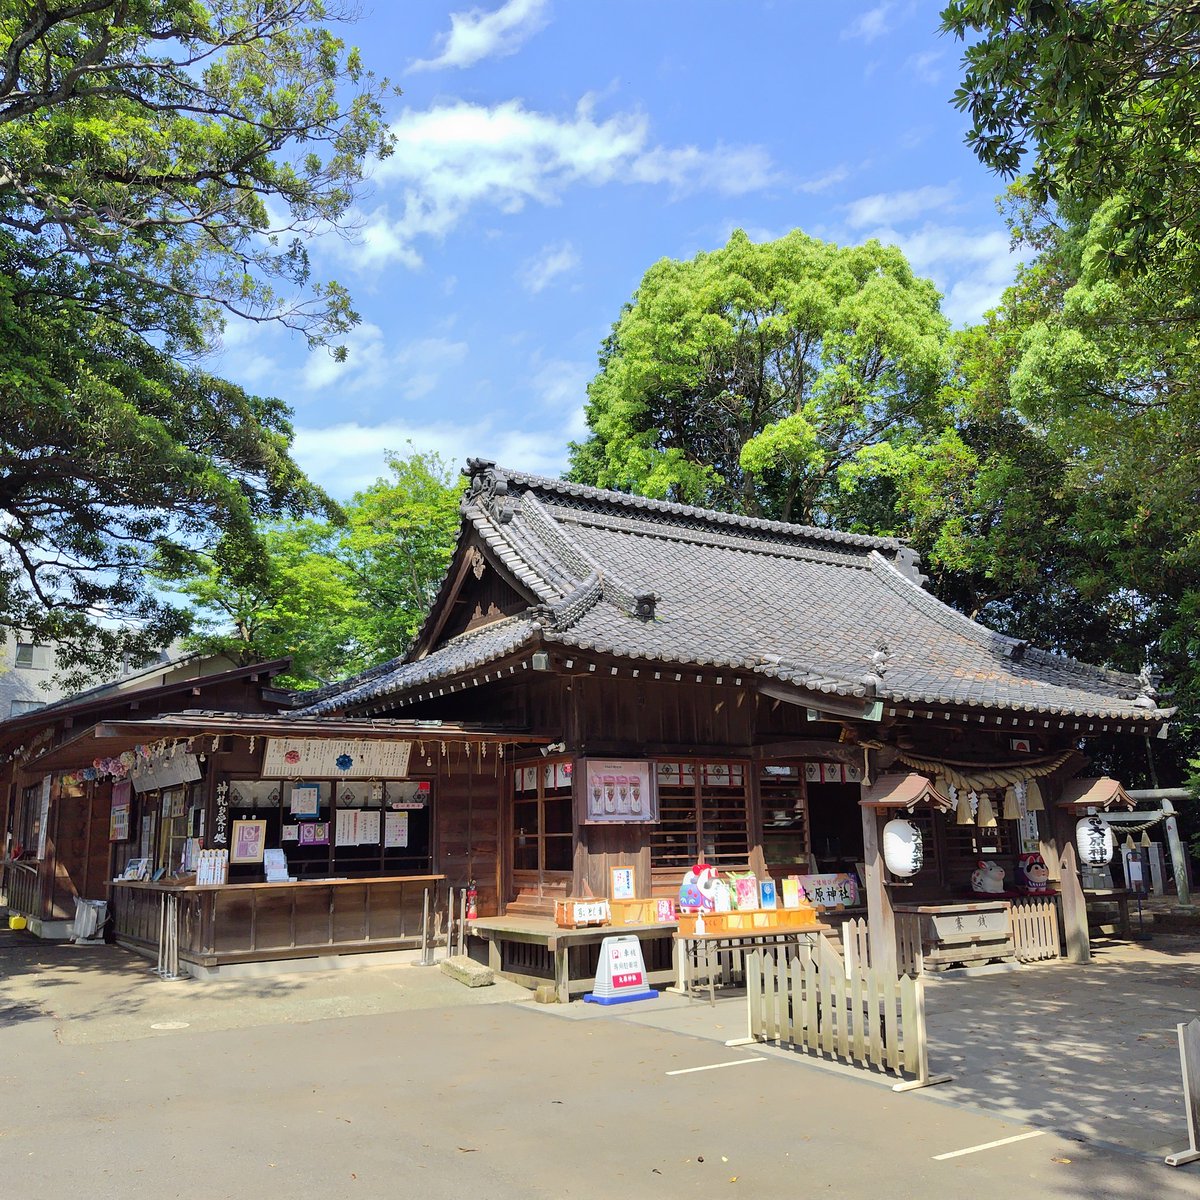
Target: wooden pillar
x,y
1178,861
881,920
1075,924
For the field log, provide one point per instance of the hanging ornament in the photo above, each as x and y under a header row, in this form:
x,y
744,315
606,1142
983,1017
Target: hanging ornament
x,y
962,813
973,798
985,815
1033,797
1146,839
1094,839
253,742
903,848
1012,811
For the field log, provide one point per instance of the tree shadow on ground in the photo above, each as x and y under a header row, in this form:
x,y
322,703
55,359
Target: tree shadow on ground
x,y
1088,1050
65,981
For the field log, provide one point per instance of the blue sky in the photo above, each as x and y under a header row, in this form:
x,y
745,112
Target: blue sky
x,y
551,150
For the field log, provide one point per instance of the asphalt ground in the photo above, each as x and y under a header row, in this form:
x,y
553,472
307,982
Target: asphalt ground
x,y
391,1081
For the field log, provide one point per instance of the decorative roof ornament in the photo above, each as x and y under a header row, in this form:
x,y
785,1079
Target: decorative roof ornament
x,y
873,679
1146,689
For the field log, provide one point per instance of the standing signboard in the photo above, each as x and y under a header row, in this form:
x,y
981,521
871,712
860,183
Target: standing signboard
x,y
621,973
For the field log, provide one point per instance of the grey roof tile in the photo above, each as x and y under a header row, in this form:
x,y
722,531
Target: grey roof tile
x,y
801,605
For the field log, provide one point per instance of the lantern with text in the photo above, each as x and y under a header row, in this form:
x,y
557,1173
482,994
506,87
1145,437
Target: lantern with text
x,y
903,848
1094,838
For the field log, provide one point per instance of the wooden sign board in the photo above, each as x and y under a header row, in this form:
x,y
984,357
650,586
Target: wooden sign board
x,y
335,758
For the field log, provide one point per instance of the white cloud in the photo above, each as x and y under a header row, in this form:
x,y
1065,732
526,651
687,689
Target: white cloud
x,y
408,372
456,156
547,265
970,267
822,182
479,34
870,25
925,67
347,457
560,386
897,207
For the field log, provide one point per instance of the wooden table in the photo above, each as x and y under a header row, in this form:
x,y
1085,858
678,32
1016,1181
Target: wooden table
x,y
698,955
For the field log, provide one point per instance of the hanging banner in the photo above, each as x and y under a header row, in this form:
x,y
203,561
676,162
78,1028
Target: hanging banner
x,y
170,771
335,758
118,821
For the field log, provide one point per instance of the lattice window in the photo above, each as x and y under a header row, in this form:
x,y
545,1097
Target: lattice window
x,y
703,816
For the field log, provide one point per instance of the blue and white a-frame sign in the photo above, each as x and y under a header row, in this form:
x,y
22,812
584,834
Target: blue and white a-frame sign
x,y
621,973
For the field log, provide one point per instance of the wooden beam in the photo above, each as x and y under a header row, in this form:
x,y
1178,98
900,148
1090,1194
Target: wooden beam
x,y
881,919
1075,924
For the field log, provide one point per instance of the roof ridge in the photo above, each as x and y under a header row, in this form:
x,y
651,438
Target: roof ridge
x,y
1013,649
478,467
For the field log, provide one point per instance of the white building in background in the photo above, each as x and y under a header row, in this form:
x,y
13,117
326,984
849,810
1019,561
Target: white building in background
x,y
27,674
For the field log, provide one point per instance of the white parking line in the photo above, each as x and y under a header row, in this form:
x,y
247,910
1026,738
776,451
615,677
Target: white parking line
x,y
741,1062
1020,1137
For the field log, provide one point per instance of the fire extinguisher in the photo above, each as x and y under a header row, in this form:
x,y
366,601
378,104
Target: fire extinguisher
x,y
472,900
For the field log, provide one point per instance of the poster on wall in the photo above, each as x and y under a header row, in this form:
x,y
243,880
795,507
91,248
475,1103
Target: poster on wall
x,y
395,830
346,828
615,792
368,827
306,800
249,841
314,833
335,758
118,821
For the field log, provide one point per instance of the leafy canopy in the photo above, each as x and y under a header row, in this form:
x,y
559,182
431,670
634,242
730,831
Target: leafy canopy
x,y
749,377
336,597
1095,102
161,162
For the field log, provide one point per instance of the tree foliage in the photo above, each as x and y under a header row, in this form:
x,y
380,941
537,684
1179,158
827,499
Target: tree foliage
x,y
336,597
1094,102
160,159
749,377
160,163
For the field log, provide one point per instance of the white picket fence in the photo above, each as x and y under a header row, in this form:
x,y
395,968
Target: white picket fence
x,y
1035,929
813,1002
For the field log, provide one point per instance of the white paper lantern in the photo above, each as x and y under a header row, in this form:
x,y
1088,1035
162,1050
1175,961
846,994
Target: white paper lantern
x,y
903,848
1094,838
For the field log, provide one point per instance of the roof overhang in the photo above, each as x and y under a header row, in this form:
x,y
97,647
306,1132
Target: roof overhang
x,y
1080,795
109,738
904,791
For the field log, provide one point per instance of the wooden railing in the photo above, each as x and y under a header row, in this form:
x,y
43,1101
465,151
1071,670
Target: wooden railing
x,y
810,1002
1035,928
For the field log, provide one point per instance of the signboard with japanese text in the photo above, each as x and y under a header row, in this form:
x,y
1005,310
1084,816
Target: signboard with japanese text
x,y
620,972
335,758
829,891
950,925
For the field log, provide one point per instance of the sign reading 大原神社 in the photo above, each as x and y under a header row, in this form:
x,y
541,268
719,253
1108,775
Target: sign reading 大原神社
x,y
335,758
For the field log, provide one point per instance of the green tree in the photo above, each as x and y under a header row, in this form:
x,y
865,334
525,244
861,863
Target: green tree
x,y
1097,103
160,164
302,606
398,541
749,377
337,597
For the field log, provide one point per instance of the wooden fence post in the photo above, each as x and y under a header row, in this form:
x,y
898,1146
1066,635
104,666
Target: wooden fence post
x,y
1079,947
1189,1062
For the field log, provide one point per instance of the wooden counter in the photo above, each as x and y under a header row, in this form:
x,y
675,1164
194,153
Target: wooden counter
x,y
255,922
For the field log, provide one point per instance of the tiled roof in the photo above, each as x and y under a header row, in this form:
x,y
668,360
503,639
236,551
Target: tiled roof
x,y
834,613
